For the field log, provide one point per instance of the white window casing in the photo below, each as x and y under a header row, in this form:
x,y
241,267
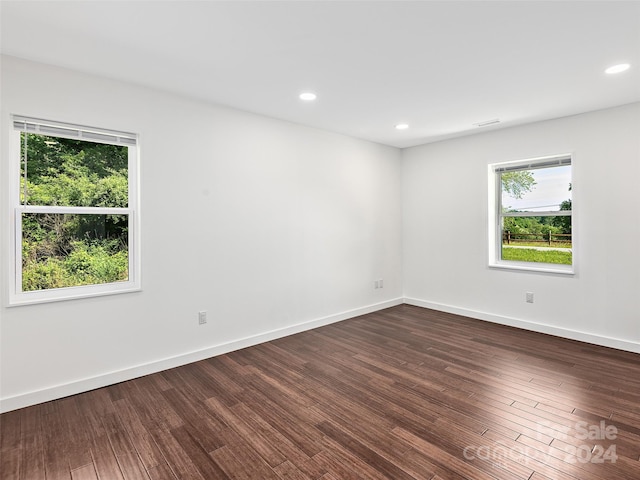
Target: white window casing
x,y
77,132
497,214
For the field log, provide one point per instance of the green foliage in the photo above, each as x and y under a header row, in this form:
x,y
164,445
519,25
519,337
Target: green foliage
x,y
539,226
73,183
63,250
533,255
84,265
564,223
49,156
516,184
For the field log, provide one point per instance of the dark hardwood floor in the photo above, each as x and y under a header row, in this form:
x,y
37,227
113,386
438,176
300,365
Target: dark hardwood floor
x,y
399,394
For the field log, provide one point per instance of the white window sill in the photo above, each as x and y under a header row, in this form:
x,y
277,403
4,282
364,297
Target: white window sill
x,y
71,293
534,267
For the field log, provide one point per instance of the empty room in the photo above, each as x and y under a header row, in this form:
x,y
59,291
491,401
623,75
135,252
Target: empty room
x,y
321,240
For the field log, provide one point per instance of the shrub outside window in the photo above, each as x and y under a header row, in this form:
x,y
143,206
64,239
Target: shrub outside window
x,y
74,201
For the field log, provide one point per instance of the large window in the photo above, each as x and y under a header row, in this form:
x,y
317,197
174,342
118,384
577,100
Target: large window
x,y
532,222
74,211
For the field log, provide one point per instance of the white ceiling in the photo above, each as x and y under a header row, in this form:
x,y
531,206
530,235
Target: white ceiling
x,y
438,66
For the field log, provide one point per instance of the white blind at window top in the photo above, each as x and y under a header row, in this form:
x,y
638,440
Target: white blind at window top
x,y
75,132
533,165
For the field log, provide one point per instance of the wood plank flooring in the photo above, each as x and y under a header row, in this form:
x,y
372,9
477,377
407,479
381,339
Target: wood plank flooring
x,y
404,393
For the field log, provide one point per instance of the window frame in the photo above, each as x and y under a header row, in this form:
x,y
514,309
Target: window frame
x,y
16,295
496,215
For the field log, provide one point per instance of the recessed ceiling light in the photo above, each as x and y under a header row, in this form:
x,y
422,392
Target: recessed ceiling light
x,y
308,96
617,68
402,126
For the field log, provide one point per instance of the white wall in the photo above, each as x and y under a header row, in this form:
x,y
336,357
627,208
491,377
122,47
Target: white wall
x,y
445,229
275,228
269,226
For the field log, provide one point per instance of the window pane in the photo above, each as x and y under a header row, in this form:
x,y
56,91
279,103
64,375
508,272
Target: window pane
x,y
73,173
69,250
545,239
537,190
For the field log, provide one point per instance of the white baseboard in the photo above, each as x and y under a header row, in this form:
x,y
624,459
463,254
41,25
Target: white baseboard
x,y
86,384
533,326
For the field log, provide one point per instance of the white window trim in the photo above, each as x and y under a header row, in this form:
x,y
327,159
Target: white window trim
x,y
16,296
495,231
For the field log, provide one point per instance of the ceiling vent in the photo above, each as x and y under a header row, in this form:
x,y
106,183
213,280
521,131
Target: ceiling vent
x,y
486,123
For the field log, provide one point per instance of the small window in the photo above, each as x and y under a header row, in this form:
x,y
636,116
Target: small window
x,y
75,206
533,222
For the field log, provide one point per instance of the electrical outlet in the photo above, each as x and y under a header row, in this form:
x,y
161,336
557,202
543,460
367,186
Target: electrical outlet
x,y
202,318
381,283
529,297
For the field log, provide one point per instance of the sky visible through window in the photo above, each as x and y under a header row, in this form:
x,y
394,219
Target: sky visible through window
x,y
550,190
